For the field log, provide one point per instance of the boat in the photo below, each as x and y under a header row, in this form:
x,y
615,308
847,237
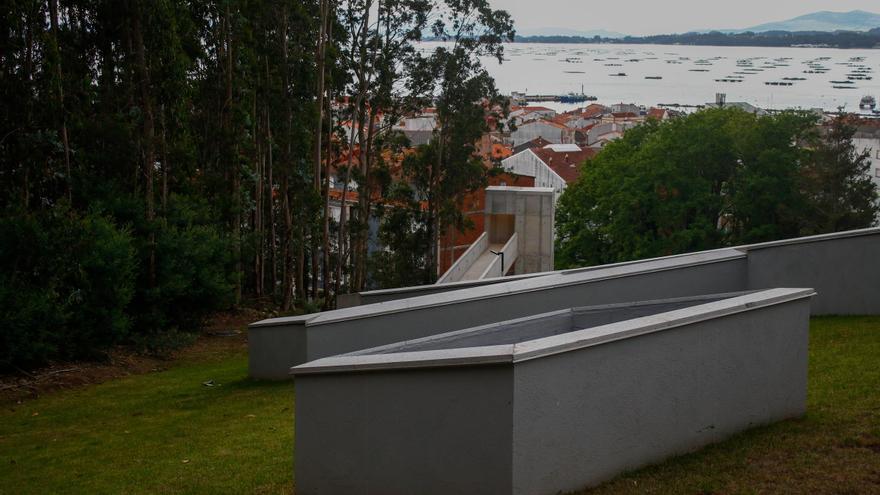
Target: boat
x,y
619,74
868,103
653,77
575,98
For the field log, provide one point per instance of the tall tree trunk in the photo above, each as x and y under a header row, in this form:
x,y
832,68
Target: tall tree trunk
x,y
325,265
53,16
258,195
233,163
286,244
271,202
148,134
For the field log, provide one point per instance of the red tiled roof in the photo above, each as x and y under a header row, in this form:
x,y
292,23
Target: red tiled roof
x,y
536,109
624,115
566,164
656,113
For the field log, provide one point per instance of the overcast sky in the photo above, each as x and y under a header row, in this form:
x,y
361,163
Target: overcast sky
x,y
665,16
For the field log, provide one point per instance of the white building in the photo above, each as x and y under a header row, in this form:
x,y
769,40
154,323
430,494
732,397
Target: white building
x,y
551,131
868,138
554,165
519,115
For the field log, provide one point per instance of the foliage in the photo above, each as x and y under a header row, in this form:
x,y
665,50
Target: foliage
x,y
65,286
714,178
194,276
836,180
453,80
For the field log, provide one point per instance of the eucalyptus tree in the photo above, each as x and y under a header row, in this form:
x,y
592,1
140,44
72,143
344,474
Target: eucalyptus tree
x,y
381,38
454,81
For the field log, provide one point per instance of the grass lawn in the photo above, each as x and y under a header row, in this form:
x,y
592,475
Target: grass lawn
x,y
161,432
166,432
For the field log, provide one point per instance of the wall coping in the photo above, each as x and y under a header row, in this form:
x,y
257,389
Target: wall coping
x,y
812,238
559,280
556,344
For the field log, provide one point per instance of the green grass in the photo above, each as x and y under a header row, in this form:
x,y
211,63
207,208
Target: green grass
x,y
165,432
162,432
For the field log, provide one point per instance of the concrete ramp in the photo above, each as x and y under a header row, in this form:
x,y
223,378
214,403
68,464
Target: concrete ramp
x,y
480,261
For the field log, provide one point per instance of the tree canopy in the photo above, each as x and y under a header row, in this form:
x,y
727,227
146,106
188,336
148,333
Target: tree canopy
x,y
714,178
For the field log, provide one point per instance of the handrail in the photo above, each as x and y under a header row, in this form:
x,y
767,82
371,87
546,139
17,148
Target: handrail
x,y
506,257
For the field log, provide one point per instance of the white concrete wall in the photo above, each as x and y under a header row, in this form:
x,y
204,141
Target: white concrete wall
x,y
528,164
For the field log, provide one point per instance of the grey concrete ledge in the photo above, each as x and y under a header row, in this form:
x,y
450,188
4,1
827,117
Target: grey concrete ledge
x,y
521,286
384,357
812,238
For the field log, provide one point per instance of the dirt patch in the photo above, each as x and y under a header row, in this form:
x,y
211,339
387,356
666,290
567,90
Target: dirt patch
x,y
225,333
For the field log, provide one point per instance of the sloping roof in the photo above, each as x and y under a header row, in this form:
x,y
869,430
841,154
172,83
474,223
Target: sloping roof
x,y
537,109
657,113
593,110
538,142
566,164
543,121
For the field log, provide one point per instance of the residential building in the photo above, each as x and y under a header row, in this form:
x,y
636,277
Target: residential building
x,y
867,138
554,165
551,131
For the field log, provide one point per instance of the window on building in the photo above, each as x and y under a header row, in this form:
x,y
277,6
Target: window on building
x,y
877,172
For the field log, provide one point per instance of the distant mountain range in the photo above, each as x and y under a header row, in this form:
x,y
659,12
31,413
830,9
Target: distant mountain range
x,y
825,21
856,20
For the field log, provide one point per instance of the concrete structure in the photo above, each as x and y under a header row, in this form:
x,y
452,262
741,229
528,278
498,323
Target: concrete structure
x,y
843,267
518,236
553,402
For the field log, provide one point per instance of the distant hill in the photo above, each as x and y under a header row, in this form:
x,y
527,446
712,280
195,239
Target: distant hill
x,y
550,31
857,20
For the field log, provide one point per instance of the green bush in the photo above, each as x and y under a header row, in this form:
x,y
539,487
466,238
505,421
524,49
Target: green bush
x,y
194,273
65,283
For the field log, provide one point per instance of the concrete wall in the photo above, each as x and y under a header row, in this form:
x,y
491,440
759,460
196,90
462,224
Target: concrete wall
x,y
356,433
533,209
775,264
462,264
341,331
345,336
581,418
555,413
844,270
502,264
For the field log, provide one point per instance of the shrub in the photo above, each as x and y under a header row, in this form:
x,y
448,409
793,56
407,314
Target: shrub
x,y
194,273
65,283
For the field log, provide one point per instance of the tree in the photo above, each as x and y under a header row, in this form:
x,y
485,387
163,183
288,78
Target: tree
x,y
715,178
836,181
465,100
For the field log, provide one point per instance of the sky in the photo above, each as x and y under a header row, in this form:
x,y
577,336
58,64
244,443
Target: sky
x,y
639,17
